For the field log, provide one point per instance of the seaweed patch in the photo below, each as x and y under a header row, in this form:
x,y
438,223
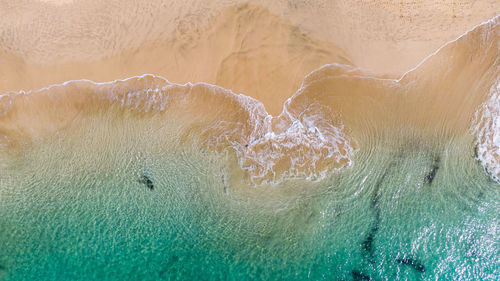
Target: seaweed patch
x,y
429,178
359,276
170,266
147,181
368,242
416,265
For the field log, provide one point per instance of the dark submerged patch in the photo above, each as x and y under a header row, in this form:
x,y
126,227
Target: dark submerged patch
x,y
416,265
429,178
170,266
147,181
367,244
376,191
359,276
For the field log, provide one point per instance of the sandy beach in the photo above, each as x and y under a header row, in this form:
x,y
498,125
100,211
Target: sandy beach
x,y
249,140
424,77
260,49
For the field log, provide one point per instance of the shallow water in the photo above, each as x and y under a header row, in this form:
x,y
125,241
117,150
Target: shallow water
x,y
76,208
359,178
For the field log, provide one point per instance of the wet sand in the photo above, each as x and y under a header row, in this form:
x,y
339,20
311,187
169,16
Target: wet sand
x,y
260,49
334,103
297,140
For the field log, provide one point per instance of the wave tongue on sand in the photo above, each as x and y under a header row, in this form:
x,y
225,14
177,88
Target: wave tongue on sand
x,y
487,129
303,145
337,110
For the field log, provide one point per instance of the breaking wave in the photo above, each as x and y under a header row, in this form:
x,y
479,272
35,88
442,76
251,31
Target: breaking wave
x,y
337,110
487,130
303,145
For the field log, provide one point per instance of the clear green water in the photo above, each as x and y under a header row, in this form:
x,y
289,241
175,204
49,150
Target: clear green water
x,y
69,213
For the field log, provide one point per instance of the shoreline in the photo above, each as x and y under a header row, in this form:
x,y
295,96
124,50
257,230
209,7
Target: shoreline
x,y
227,55
336,108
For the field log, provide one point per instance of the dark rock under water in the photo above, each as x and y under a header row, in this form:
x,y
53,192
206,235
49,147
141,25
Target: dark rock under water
x,y
170,264
147,181
429,178
359,276
367,244
416,265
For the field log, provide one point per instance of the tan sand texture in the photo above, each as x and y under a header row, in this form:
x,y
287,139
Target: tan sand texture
x,y
260,48
337,110
250,49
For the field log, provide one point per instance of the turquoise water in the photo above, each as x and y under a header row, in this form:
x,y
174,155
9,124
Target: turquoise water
x,y
129,211
143,179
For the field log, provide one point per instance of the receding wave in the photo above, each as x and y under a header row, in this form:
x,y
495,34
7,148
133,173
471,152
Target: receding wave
x,y
302,145
487,128
350,177
337,109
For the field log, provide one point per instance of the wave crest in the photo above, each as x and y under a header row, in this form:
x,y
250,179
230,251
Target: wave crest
x,y
487,130
270,149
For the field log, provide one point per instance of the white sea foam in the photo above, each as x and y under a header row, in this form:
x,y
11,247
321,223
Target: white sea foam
x,y
5,104
487,129
304,145
307,148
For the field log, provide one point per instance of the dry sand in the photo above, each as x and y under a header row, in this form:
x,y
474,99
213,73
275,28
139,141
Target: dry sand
x,y
262,49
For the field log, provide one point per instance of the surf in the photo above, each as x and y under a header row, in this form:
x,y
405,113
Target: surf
x,y
358,177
